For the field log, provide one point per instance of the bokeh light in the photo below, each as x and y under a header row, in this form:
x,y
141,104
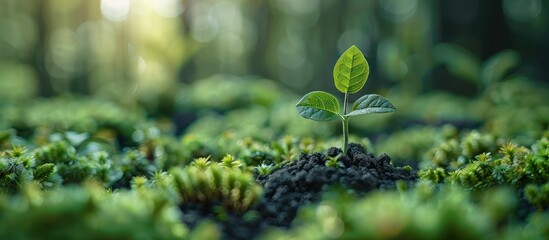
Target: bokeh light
x,y
522,10
98,46
115,10
398,10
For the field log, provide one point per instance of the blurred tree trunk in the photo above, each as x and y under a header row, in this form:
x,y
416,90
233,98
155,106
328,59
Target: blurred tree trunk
x,y
262,17
331,25
186,72
81,82
41,47
484,33
494,34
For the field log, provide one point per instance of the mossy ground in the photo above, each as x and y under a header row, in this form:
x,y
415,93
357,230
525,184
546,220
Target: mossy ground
x,y
244,170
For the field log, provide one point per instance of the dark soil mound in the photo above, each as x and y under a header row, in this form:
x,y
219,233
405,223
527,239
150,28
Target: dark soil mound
x,y
302,182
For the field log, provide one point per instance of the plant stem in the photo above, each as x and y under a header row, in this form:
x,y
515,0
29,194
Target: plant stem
x,y
345,104
345,134
345,125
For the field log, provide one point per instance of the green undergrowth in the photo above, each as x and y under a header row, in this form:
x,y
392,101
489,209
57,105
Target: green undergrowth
x,y
90,212
92,116
419,213
141,188
235,189
18,168
86,168
511,164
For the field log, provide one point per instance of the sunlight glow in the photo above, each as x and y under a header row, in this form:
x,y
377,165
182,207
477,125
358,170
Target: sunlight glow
x,y
115,10
168,8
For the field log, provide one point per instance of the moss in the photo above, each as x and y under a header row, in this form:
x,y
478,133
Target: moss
x,y
210,184
89,213
112,145
73,168
513,165
448,213
18,168
229,161
44,171
536,164
96,117
13,174
409,145
538,195
456,152
133,163
517,97
436,175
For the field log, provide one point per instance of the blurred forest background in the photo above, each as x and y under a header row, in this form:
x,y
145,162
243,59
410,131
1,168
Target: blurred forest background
x,y
144,48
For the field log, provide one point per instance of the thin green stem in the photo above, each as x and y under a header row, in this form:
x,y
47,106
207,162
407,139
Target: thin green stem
x,y
345,104
345,134
345,125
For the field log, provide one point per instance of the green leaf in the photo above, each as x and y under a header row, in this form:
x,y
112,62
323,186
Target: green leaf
x,y
371,103
351,71
496,66
318,106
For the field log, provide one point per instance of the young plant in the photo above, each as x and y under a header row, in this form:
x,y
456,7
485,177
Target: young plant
x,y
264,169
229,161
334,162
350,74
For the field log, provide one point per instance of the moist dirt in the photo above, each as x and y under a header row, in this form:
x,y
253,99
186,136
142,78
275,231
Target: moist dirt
x,y
299,183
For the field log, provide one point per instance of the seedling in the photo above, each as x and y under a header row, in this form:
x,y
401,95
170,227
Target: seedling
x,y
264,169
334,162
201,162
229,161
350,74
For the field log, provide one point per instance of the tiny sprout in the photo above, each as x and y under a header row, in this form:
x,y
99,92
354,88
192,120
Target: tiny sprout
x,y
201,162
436,175
350,74
512,151
334,162
264,169
230,162
286,148
484,157
307,145
287,142
17,151
139,182
161,179
246,142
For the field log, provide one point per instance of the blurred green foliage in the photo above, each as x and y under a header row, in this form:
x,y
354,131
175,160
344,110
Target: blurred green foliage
x,y
143,49
114,113
89,212
421,213
512,166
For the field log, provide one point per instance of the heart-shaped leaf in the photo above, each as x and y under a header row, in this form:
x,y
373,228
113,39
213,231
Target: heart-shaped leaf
x,y
318,106
351,71
371,103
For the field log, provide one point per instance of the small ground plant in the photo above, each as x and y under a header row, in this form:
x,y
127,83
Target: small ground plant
x,y
350,74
